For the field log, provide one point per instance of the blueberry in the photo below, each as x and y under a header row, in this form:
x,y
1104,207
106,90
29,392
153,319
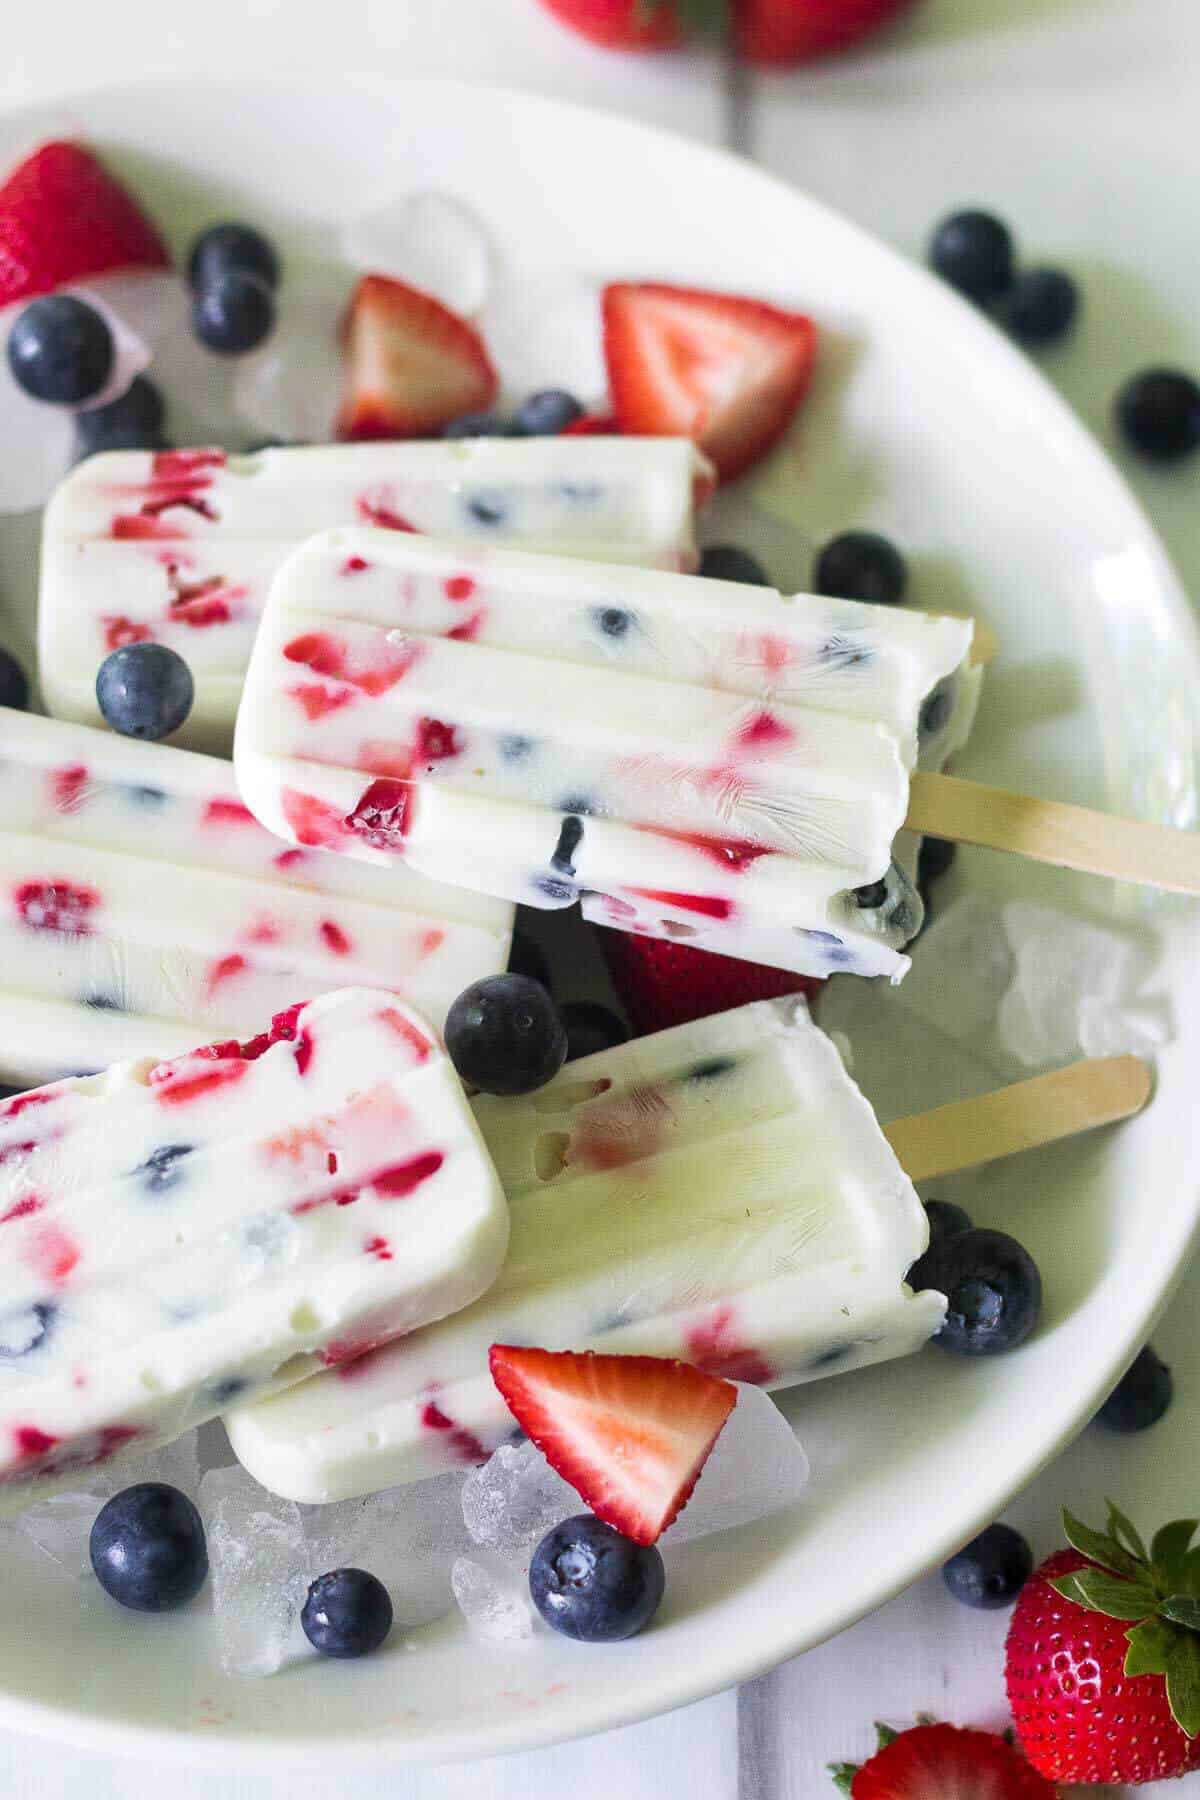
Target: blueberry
x,y
147,799
348,1613
936,708
591,1583
526,957
993,1288
713,1068
24,1328
100,1001
991,1571
1042,306
145,690
487,507
160,1170
973,251
945,1220
514,746
613,621
148,1548
934,859
547,413
1141,1397
232,249
725,562
1159,412
14,683
477,425
233,313
61,350
591,1027
120,440
861,565
874,895
224,1391
133,421
505,1036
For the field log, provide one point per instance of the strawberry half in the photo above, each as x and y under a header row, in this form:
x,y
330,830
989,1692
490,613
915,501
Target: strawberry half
x,y
64,218
942,1762
630,1433
412,365
661,983
794,31
727,372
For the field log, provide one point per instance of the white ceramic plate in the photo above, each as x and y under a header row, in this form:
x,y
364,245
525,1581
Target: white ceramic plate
x,y
926,424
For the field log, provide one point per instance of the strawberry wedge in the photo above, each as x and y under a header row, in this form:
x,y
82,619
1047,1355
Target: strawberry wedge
x,y
727,372
412,365
630,1433
64,218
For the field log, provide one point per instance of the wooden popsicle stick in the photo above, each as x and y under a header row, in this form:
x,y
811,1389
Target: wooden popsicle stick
x,y
1041,1110
1050,831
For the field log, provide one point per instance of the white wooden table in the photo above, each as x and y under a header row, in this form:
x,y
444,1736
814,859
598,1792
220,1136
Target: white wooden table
x,y
1075,118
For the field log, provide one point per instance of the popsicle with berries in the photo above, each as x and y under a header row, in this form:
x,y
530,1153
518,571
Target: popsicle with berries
x,y
694,758
179,547
176,1234
720,1192
143,909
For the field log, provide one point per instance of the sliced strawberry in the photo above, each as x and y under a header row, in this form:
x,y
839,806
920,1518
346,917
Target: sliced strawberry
x,y
411,364
727,372
64,218
630,1433
662,983
794,31
944,1762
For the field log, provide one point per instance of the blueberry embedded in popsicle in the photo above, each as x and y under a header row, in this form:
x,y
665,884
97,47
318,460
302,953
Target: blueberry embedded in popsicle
x,y
161,1170
613,621
487,507
561,886
25,1329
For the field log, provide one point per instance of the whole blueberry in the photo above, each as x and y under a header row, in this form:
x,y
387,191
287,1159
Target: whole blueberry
x,y
477,425
14,683
945,1220
861,565
1159,413
991,1571
504,1035
591,1583
993,1290
161,1170
233,313
546,414
725,562
148,1548
133,420
145,690
1141,1397
591,1027
973,251
1042,306
871,897
232,248
934,859
60,350
348,1613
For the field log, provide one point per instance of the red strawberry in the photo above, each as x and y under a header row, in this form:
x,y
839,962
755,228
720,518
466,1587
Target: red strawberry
x,y
1095,1631
630,1433
942,1762
622,24
661,983
725,371
794,31
411,364
63,218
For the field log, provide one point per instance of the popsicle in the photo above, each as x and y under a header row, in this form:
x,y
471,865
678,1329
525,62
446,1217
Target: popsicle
x,y
180,546
143,909
175,1234
691,757
719,1192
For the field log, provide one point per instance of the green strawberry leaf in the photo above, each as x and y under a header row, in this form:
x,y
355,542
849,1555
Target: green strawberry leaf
x,y
1150,1647
704,18
1168,1552
1183,1683
1182,1609
843,1775
1122,1528
1098,1547
1107,1594
1188,1574
885,1735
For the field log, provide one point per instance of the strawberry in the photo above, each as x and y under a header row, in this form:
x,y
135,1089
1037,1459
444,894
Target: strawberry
x,y
661,983
622,24
1103,1656
794,31
941,1762
725,371
630,1433
411,364
64,218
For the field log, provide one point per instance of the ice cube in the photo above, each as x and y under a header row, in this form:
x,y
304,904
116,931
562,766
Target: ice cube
x,y
61,1528
177,1463
1075,990
757,1467
431,240
493,1597
514,1498
290,388
408,1537
257,1556
543,331
962,968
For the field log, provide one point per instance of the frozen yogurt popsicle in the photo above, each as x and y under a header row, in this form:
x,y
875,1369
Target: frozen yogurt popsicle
x,y
719,1192
175,1234
180,547
143,909
693,758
